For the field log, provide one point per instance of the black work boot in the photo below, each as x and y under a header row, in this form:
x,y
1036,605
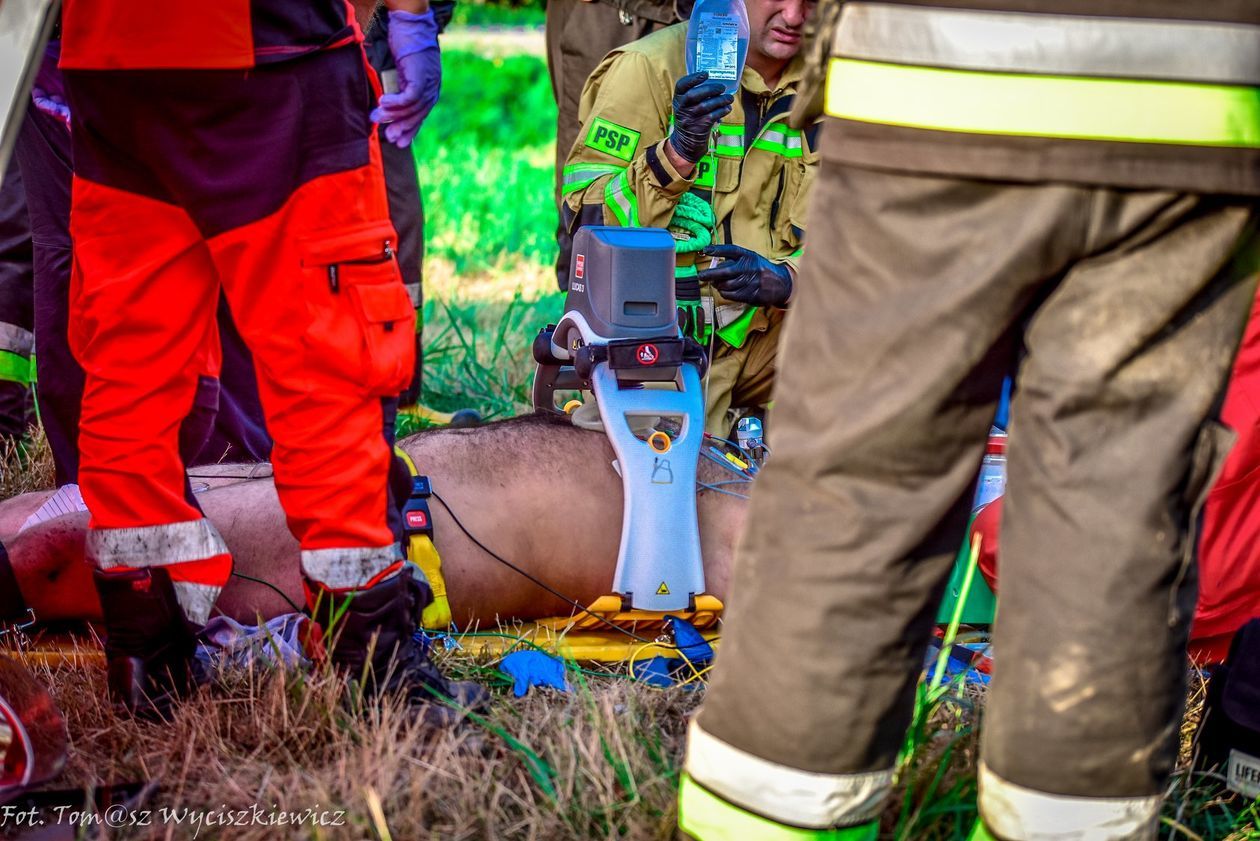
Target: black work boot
x,y
149,644
372,639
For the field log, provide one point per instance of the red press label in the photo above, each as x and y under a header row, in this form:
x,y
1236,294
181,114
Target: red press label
x,y
417,520
579,267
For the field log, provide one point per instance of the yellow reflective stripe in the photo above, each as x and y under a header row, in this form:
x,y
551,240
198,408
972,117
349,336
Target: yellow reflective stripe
x,y
15,368
1078,108
706,817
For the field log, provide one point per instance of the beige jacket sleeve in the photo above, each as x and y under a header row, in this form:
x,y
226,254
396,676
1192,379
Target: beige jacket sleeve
x,y
618,160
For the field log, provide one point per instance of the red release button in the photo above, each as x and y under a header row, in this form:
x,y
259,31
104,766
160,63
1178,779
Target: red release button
x,y
417,520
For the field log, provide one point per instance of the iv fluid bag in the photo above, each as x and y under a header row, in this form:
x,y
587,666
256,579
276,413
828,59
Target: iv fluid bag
x,y
717,40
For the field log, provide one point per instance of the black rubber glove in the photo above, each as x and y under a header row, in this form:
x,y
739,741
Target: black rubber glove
x,y
747,277
698,106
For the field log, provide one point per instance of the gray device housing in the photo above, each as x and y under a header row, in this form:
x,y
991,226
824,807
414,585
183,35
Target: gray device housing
x,y
621,283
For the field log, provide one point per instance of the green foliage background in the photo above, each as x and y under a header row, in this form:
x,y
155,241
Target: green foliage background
x,y
485,158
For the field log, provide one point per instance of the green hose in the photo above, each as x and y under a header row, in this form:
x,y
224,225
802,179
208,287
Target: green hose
x,y
692,224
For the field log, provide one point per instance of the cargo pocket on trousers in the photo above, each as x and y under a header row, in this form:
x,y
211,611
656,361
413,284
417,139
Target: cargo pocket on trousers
x,y
1213,444
365,331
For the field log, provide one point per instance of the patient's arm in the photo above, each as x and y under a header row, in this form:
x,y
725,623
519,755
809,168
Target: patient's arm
x,y
543,496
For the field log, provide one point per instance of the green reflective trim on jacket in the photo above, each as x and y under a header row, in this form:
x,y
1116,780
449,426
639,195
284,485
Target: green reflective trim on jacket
x,y
1075,108
15,368
621,199
729,146
797,254
576,177
706,817
706,171
781,141
736,333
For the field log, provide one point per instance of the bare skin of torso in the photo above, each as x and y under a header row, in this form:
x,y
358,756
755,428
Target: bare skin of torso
x,y
544,497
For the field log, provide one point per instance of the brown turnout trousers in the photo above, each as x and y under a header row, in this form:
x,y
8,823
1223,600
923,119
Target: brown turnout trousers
x,y
1119,313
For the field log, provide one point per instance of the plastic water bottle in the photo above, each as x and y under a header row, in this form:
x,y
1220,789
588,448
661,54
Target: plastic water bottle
x,y
717,40
992,482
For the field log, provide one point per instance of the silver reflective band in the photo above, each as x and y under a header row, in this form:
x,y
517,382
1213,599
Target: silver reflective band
x,y
196,600
585,173
619,196
1013,811
343,569
729,141
14,339
146,546
1059,45
788,139
780,793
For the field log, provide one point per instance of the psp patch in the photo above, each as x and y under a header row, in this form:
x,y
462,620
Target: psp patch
x,y
612,139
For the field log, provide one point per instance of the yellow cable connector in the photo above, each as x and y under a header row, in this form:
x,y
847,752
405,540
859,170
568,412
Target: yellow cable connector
x,y
737,461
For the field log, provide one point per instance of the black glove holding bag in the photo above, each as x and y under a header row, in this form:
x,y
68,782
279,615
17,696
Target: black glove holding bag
x,y
747,277
698,106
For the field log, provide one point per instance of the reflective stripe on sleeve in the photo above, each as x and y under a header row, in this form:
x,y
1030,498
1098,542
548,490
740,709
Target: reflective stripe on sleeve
x,y
621,199
147,546
1044,106
576,177
1013,811
788,795
1051,44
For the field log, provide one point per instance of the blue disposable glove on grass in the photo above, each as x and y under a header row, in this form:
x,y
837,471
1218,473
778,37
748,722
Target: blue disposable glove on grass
x,y
533,668
413,41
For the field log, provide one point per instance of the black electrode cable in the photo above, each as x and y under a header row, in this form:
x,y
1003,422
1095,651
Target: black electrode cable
x,y
543,584
279,592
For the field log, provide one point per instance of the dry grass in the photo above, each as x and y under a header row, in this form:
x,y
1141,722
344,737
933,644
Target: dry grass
x,y
25,465
598,763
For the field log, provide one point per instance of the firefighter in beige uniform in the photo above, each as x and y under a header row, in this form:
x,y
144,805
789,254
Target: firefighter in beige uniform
x,y
1067,192
644,158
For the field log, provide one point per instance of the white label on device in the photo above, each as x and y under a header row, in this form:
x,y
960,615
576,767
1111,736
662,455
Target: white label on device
x,y
1244,774
717,49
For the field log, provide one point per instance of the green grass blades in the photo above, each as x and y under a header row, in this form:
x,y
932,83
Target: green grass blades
x,y
477,353
486,163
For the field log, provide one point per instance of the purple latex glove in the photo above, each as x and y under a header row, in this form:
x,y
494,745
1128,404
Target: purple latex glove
x,y
413,41
49,90
51,104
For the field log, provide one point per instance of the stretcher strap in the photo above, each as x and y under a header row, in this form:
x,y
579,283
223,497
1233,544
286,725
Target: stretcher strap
x,y
420,549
